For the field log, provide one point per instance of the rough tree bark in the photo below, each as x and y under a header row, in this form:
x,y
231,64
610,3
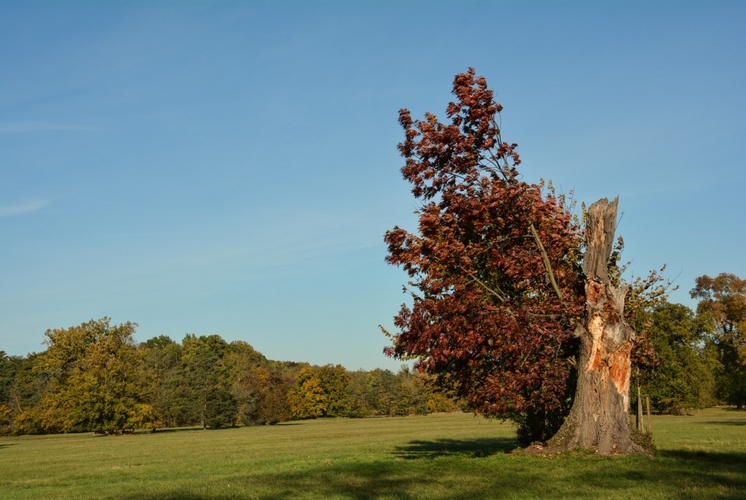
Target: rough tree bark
x,y
599,418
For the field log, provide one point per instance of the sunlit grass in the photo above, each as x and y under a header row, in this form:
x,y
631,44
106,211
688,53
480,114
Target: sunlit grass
x,y
438,456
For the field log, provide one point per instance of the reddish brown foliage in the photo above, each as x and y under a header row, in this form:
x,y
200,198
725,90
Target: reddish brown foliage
x,y
485,318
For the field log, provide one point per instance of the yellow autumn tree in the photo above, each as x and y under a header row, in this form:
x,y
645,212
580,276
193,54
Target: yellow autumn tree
x,y
94,379
307,398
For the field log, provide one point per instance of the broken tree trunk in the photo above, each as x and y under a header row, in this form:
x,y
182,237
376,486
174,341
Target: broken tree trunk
x,y
599,418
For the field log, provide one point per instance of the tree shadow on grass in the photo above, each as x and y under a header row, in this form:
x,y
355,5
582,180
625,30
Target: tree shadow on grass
x,y
193,429
366,480
734,462
471,448
699,471
674,474
168,430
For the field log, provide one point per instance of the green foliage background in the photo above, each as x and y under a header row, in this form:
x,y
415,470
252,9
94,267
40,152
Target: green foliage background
x,y
94,377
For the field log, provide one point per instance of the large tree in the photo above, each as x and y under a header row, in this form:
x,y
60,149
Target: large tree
x,y
205,371
162,359
502,310
321,391
94,379
681,374
723,305
262,395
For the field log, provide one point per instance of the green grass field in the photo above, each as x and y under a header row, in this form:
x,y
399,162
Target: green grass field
x,y
453,456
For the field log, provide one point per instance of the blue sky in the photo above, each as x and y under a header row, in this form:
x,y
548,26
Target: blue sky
x,y
230,167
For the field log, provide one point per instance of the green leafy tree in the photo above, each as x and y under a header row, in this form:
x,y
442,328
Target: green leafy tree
x,y
356,394
6,421
439,401
382,391
245,385
162,359
247,358
334,380
682,374
321,391
7,381
263,395
307,397
94,379
25,394
722,304
408,392
411,394
206,386
7,376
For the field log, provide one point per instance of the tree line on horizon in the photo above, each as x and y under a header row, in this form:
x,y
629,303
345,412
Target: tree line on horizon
x,y
96,377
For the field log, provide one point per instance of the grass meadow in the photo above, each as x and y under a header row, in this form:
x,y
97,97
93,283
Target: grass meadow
x,y
453,456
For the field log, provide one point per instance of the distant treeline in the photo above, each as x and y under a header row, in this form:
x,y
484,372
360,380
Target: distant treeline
x,y
95,377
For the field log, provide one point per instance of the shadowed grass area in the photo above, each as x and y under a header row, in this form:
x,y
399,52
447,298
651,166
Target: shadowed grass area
x,y
482,447
452,456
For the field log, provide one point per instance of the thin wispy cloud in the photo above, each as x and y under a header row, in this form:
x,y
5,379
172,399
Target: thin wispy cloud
x,y
23,207
30,127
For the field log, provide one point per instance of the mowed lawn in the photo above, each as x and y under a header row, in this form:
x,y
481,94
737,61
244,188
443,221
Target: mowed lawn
x,y
454,456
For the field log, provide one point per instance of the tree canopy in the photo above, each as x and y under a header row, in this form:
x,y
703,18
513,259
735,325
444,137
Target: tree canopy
x,y
723,304
90,383
681,374
494,267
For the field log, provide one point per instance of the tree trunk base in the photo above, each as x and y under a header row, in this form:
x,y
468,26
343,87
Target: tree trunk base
x,y
599,418
547,450
599,433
